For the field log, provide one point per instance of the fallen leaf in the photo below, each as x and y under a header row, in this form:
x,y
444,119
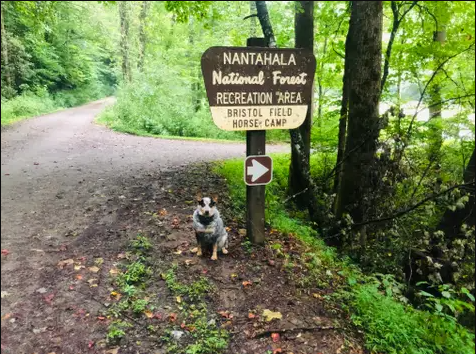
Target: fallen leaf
x,y
98,261
6,316
90,344
226,314
251,316
121,256
275,337
158,316
114,271
317,296
79,267
49,298
178,252
246,283
183,325
204,271
242,232
92,283
71,287
276,351
101,318
112,351
270,315
163,212
148,314
79,276
175,223
65,262
172,317
179,299
188,261
94,269
41,290
5,294
63,248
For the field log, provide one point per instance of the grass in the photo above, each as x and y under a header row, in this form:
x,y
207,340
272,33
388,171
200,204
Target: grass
x,y
25,106
389,325
32,104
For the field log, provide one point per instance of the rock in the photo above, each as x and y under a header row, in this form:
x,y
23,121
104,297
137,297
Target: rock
x,y
212,322
41,290
177,335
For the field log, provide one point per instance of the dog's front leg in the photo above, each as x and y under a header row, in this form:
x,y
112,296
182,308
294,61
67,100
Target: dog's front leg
x,y
215,250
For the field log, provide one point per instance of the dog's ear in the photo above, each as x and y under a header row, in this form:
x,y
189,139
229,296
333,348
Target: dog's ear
x,y
215,197
198,196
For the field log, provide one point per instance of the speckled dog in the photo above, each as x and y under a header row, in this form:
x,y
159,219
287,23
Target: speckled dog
x,y
209,228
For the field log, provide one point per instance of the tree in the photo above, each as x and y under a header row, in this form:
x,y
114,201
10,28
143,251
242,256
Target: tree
x,y
363,67
142,33
124,16
304,38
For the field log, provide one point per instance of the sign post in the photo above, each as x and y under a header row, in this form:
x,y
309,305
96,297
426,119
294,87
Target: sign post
x,y
257,89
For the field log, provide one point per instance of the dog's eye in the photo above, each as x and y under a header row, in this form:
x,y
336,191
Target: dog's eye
x,y
202,203
212,203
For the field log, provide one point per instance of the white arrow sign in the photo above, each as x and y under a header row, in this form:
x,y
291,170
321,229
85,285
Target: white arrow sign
x,y
256,171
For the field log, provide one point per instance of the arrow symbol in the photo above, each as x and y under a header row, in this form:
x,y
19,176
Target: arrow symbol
x,y
256,171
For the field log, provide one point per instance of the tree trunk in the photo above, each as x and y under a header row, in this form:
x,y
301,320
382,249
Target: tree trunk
x,y
316,210
252,19
344,109
320,90
435,121
5,57
263,17
142,33
125,20
363,60
452,221
304,38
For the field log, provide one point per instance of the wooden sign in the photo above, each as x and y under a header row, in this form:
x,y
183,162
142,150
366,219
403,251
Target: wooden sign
x,y
258,88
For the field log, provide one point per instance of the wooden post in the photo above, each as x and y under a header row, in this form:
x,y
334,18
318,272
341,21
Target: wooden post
x,y
255,195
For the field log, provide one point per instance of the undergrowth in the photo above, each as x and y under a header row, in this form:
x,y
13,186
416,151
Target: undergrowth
x,y
375,303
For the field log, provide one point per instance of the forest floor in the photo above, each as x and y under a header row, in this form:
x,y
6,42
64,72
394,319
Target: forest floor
x,y
77,278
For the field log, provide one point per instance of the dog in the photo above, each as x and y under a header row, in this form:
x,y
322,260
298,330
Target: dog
x,y
209,227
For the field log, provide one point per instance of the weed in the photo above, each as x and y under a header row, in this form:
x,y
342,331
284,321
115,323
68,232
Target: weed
x,y
135,273
139,306
248,246
141,243
116,331
194,291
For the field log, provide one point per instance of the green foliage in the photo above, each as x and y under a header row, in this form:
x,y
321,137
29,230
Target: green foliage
x,y
116,331
376,304
54,46
393,327
141,243
27,105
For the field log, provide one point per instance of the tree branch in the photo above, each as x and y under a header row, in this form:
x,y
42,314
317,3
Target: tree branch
x,y
430,81
397,20
415,206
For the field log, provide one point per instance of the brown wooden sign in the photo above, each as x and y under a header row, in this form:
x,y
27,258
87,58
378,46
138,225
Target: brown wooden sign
x,y
258,88
258,170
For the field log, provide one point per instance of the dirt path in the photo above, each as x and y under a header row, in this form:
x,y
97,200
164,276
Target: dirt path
x,y
75,191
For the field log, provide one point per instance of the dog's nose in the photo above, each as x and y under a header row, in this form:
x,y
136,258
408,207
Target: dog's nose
x,y
207,212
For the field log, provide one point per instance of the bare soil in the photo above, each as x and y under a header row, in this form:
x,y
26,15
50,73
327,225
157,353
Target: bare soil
x,y
74,191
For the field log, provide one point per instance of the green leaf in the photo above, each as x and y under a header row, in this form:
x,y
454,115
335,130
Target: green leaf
x,y
439,307
424,293
446,294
